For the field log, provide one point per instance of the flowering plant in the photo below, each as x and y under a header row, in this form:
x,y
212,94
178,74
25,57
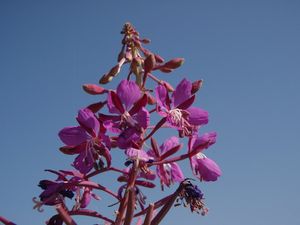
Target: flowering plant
x,y
124,120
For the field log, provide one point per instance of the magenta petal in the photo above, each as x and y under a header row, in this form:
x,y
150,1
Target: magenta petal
x,y
128,92
161,95
169,144
86,198
177,174
84,162
126,138
111,106
205,168
139,154
73,135
87,119
182,92
197,116
203,142
143,118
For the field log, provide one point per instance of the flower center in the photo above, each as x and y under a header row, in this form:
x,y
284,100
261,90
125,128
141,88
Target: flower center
x,y
127,118
178,118
175,117
200,155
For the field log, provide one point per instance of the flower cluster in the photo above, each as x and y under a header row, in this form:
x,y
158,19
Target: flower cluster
x,y
122,119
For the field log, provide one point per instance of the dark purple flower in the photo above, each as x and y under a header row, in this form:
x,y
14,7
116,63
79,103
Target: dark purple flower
x,y
66,185
178,110
191,196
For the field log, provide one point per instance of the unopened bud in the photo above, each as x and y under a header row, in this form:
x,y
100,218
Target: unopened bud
x,y
128,56
165,70
149,63
145,41
109,76
196,86
114,71
93,89
168,86
159,59
96,106
105,79
151,99
174,63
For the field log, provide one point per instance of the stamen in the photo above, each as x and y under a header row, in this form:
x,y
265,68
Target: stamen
x,y
200,155
175,117
127,119
38,204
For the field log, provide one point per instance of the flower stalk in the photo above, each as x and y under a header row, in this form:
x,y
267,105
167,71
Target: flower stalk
x,y
122,121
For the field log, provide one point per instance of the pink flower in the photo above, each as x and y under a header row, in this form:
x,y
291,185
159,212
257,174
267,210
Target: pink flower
x,y
203,168
87,140
167,172
178,112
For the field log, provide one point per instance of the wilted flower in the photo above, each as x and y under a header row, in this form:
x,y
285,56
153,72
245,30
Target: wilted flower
x,y
191,196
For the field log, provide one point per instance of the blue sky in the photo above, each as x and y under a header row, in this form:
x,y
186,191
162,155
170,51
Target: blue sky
x,y
247,52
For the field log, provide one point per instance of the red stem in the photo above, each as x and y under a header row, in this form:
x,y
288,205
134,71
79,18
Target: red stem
x,y
176,158
83,212
6,221
65,216
104,170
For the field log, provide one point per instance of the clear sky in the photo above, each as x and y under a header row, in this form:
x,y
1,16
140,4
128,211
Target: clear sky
x,y
247,52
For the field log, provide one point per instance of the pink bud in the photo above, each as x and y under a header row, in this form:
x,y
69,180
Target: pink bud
x,y
174,63
96,106
114,71
159,59
93,89
151,99
168,86
149,63
145,41
196,86
165,70
128,56
109,76
105,79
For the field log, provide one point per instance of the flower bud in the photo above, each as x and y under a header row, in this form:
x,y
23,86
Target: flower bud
x,y
165,70
196,86
128,56
109,76
93,89
159,59
151,99
145,41
105,79
174,63
149,63
168,86
96,106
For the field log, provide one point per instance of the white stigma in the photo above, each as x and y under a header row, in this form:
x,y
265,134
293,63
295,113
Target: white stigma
x,y
175,117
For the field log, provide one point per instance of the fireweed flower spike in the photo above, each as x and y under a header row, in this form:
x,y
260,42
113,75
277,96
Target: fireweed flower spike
x,y
178,110
87,140
120,119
